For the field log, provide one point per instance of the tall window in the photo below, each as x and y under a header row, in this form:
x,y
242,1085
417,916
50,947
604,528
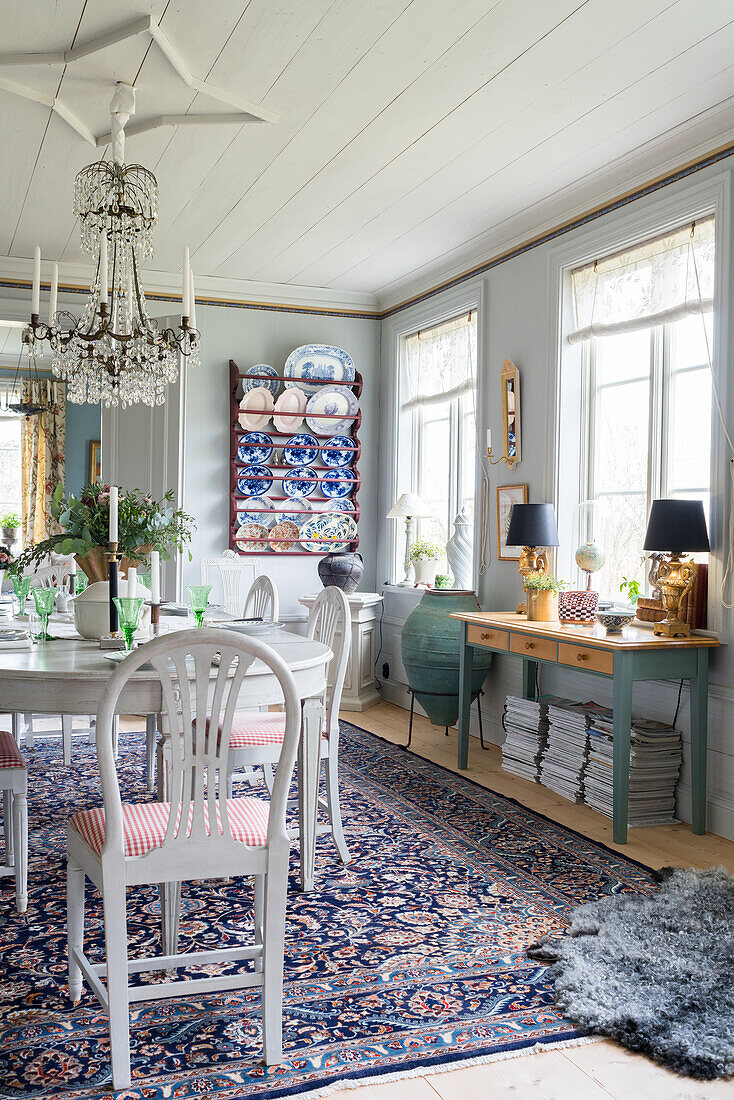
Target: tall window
x,y
438,416
646,320
10,454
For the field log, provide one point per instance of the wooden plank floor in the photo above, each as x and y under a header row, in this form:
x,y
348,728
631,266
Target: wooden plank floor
x,y
596,1071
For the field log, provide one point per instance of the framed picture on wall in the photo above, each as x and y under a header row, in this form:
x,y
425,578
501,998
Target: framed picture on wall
x,y
95,460
507,495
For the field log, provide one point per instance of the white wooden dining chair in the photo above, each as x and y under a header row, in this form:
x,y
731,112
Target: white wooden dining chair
x,y
202,677
256,738
262,600
14,785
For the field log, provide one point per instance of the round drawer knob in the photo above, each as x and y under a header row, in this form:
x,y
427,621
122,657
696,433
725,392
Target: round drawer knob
x,y
486,637
582,656
530,645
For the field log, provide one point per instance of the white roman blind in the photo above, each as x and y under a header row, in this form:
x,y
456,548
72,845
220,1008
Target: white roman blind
x,y
440,362
654,282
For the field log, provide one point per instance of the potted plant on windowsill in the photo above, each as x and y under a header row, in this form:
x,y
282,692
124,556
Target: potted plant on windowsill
x,y
542,597
144,524
425,557
9,523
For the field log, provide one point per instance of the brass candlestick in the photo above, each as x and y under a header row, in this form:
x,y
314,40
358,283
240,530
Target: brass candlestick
x,y
113,565
675,578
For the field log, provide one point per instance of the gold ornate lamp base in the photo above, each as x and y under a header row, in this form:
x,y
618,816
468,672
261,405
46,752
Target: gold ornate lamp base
x,y
533,559
675,579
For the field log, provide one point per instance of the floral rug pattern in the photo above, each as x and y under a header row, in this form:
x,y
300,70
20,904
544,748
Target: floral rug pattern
x,y
410,956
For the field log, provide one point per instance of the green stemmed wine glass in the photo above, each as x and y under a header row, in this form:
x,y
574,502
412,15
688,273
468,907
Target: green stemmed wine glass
x,y
199,599
128,609
21,585
44,599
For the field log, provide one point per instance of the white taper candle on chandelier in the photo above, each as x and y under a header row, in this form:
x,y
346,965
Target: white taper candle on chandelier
x,y
103,285
132,581
192,303
36,295
54,293
113,513
155,576
186,284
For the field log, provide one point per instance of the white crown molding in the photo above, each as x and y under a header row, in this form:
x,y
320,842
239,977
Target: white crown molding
x,y
693,140
218,290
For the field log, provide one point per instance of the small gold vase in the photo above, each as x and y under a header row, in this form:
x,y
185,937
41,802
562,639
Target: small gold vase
x,y
675,578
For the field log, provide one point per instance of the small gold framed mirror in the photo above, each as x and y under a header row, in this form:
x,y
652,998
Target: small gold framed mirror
x,y
510,378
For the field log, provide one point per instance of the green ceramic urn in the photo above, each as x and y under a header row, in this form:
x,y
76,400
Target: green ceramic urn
x,y
430,646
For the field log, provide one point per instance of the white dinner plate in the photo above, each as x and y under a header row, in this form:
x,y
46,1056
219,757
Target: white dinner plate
x,y
249,628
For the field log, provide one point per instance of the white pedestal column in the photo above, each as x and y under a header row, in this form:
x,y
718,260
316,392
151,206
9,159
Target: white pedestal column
x,y
359,684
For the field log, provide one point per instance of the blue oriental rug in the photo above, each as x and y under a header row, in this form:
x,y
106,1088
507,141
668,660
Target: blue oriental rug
x,y
409,959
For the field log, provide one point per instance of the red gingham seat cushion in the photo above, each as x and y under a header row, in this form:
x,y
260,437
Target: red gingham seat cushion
x,y
251,729
9,752
145,824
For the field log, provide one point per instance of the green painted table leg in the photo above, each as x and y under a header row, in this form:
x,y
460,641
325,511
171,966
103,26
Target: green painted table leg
x,y
466,664
699,731
622,692
529,675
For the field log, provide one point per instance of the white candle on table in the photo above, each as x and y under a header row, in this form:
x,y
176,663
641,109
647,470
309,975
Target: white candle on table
x,y
155,577
192,302
186,284
36,295
113,513
132,581
103,285
54,293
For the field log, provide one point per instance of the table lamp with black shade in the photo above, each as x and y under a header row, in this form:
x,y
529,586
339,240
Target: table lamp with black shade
x,y
676,527
532,526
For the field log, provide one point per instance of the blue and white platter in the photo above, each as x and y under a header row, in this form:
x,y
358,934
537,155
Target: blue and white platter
x,y
343,453
300,450
262,512
328,533
339,504
255,448
332,411
338,483
254,481
301,482
320,361
253,383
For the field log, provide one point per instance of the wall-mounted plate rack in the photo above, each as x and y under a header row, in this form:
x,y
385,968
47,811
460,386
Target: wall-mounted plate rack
x,y
277,469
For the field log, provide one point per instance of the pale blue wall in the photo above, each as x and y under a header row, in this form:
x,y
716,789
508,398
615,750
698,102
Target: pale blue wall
x,y
83,423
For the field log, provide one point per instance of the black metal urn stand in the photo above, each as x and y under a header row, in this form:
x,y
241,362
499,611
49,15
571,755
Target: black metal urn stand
x,y
475,698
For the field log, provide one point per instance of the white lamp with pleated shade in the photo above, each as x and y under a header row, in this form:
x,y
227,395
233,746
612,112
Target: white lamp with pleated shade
x,y
409,506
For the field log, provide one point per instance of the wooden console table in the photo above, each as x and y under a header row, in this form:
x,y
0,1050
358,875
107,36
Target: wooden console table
x,y
636,654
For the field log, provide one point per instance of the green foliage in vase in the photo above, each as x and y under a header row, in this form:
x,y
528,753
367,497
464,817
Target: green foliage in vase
x,y
10,519
542,582
632,587
423,550
142,523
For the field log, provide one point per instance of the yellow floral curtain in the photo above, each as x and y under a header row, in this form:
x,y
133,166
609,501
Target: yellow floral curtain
x,y
44,457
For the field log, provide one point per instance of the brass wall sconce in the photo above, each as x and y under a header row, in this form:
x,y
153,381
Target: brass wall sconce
x,y
510,382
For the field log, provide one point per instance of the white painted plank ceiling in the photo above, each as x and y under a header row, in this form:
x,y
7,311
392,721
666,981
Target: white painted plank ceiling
x,y
415,136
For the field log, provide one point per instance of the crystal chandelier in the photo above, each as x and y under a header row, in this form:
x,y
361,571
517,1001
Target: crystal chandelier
x,y
115,353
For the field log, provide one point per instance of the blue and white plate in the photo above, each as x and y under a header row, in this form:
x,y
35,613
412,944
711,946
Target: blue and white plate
x,y
253,383
338,483
298,510
320,361
254,481
300,450
339,505
343,453
301,482
255,448
328,533
332,411
262,512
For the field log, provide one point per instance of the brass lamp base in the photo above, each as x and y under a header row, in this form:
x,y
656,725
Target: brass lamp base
x,y
532,560
676,578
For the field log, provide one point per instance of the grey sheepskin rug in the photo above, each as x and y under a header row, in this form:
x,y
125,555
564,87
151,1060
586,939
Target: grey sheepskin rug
x,y
655,971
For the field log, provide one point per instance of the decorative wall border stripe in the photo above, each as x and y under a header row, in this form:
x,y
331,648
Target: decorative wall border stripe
x,y
487,265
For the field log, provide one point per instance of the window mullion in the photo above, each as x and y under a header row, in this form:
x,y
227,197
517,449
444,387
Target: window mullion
x,y
656,456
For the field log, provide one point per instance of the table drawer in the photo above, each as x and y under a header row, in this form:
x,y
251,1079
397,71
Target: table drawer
x,y
596,660
541,649
487,636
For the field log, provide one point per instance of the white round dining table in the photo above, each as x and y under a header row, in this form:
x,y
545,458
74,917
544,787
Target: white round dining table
x,y
68,674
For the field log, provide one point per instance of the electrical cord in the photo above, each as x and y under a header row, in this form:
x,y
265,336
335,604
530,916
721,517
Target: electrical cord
x,y
677,705
378,681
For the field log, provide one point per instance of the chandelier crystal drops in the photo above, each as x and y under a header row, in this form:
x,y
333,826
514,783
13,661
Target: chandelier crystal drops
x,y
115,353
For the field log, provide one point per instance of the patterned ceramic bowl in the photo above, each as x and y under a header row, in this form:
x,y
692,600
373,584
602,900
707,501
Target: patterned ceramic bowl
x,y
614,621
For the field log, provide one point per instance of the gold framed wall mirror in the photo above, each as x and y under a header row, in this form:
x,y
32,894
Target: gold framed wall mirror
x,y
510,381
